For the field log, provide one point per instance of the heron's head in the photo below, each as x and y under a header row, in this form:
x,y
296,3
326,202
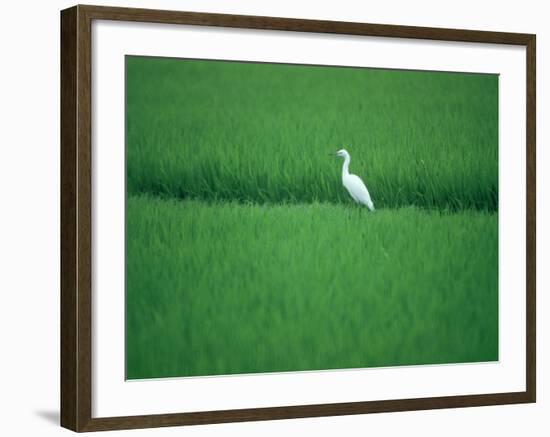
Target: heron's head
x,y
343,153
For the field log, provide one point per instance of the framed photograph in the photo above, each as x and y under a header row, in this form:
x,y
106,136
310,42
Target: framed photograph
x,y
269,218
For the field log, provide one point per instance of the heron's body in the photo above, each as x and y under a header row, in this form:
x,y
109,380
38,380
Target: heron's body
x,y
353,183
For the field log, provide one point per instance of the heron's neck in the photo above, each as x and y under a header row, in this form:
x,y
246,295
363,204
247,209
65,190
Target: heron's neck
x,y
345,167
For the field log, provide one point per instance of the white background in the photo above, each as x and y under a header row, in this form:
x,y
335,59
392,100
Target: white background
x,y
29,227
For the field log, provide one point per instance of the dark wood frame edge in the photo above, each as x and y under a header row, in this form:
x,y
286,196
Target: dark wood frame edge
x,y
76,224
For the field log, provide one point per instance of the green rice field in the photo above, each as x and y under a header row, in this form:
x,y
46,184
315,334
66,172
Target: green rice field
x,y
244,252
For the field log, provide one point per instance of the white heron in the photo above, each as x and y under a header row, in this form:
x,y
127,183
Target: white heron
x,y
353,183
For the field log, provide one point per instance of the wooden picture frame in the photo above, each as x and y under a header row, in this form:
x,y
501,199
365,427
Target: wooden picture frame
x,y
76,218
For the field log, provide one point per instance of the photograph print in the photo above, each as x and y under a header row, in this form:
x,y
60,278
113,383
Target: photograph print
x,y
286,218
